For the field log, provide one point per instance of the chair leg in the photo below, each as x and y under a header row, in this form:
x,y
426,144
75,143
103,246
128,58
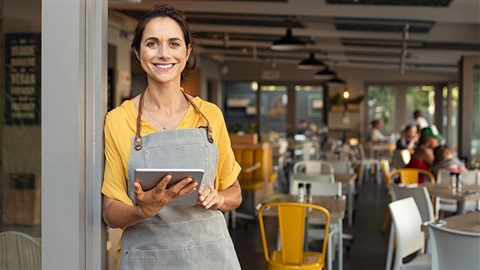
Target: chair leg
x,y
385,220
391,246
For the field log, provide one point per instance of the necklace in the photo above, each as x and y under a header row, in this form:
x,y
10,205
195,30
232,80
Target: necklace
x,y
163,126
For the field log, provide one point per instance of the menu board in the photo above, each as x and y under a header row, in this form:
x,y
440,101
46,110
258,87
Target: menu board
x,y
22,78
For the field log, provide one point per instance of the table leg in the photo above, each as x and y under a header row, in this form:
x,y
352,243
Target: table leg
x,y
340,244
351,197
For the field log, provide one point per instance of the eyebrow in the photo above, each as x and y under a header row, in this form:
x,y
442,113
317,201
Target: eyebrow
x,y
170,39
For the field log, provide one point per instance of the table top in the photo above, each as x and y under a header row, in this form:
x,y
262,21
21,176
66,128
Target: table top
x,y
344,178
469,222
443,190
335,206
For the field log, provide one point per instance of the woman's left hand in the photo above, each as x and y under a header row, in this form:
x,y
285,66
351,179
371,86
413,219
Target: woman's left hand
x,y
208,197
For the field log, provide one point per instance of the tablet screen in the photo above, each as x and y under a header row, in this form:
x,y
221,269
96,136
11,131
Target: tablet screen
x,y
150,177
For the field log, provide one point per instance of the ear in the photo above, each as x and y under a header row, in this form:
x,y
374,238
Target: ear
x,y
189,50
136,54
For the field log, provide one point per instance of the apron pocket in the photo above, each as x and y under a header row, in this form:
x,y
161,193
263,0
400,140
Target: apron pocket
x,y
156,259
215,255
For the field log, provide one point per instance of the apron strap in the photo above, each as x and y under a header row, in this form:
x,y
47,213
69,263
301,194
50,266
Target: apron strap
x,y
138,138
207,127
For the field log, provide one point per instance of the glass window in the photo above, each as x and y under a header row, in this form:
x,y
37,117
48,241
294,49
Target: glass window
x,y
420,98
20,159
475,150
381,105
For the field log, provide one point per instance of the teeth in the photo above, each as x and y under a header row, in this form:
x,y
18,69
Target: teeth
x,y
164,66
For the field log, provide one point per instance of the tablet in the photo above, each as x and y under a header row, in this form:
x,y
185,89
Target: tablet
x,y
150,177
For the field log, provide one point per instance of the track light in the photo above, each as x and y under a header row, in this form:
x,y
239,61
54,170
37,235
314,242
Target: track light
x,y
325,74
310,63
345,94
288,42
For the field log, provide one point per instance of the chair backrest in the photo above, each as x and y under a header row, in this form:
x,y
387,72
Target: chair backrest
x,y
247,156
410,175
401,158
19,251
313,166
469,177
291,221
454,249
407,223
341,166
319,188
420,195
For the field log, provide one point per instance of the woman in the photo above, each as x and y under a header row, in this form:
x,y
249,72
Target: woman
x,y
164,127
423,156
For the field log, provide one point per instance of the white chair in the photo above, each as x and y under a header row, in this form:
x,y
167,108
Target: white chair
x,y
321,188
422,199
316,170
19,251
366,164
454,249
401,158
408,235
449,205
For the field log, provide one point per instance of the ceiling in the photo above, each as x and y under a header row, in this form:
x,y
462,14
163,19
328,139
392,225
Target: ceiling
x,y
408,35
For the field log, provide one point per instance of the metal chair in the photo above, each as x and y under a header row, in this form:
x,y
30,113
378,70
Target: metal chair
x,y
19,251
410,175
292,219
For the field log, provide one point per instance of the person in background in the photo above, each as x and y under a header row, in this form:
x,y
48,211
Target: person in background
x,y
423,156
302,126
420,121
164,127
376,135
444,159
409,138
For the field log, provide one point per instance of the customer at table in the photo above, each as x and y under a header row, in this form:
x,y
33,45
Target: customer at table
x,y
420,121
423,156
409,138
376,136
445,159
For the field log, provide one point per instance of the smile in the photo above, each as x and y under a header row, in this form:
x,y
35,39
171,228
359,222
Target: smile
x,y
167,66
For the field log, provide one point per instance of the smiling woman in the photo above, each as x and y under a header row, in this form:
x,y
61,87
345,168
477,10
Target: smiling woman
x,y
178,131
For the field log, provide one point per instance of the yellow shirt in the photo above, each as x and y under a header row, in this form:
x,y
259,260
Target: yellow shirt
x,y
120,127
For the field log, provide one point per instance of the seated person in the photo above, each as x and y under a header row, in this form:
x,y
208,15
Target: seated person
x,y
409,138
423,156
376,136
444,159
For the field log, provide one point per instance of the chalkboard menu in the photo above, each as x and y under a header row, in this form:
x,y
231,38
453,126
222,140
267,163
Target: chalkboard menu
x,y
22,78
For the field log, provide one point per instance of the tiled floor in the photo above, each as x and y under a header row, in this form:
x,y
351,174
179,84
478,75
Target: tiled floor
x,y
367,251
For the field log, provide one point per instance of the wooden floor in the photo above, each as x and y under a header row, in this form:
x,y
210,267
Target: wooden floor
x,y
367,251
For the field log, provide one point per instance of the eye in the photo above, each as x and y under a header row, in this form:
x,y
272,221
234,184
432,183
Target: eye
x,y
175,44
151,44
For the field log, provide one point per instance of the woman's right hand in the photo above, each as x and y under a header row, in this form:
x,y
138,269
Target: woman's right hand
x,y
150,202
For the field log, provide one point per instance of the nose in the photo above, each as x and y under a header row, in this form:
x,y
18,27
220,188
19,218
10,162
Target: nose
x,y
163,51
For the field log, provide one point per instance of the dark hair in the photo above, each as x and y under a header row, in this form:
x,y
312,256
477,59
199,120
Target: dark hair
x,y
417,113
163,11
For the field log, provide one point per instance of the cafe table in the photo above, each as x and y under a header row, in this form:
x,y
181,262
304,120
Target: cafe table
x,y
348,182
443,190
335,206
468,222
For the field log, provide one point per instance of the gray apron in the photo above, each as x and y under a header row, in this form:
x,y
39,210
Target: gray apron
x,y
178,237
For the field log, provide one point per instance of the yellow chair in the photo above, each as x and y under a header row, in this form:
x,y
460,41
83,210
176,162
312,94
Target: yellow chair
x,y
292,219
410,175
385,167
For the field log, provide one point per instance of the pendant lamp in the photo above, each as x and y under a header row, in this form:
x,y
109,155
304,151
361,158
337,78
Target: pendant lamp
x,y
288,42
310,63
335,81
325,74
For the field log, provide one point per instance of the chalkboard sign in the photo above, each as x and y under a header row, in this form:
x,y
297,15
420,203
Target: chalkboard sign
x,y
22,78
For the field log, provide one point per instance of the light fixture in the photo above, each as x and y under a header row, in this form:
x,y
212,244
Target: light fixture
x,y
335,81
325,74
310,63
345,94
288,42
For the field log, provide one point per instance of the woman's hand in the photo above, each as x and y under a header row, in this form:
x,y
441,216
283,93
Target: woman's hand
x,y
208,197
150,202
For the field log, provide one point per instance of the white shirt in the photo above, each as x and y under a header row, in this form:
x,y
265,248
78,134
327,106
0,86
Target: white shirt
x,y
421,121
377,136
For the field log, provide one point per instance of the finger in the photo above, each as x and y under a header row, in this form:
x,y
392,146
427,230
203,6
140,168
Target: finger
x,y
163,184
207,190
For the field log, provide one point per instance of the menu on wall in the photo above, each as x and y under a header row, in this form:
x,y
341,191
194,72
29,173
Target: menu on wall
x,y
22,78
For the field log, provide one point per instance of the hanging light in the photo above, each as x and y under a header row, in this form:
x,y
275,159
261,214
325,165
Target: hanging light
x,y
345,94
310,63
325,74
288,42
335,81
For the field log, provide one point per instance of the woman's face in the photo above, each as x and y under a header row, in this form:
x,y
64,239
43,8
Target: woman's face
x,y
163,53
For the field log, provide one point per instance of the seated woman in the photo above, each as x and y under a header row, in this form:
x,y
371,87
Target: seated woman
x,y
444,159
423,156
